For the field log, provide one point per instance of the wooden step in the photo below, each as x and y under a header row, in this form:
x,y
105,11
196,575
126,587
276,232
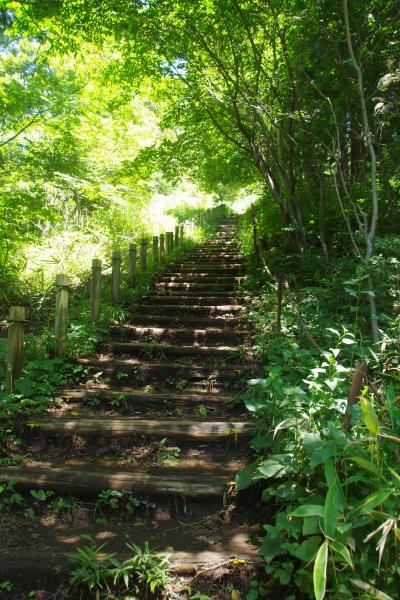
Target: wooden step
x,y
196,294
136,372
204,278
199,300
186,554
210,267
197,273
180,429
209,336
181,320
138,397
196,286
87,483
158,350
191,309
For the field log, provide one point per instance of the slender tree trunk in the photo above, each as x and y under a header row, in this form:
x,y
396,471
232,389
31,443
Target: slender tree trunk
x,y
370,234
321,218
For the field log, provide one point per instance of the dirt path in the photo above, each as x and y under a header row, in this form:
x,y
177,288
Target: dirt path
x,y
156,419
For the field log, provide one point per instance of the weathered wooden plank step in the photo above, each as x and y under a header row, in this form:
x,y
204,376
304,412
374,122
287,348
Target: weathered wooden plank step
x,y
182,429
133,371
197,273
208,255
40,567
217,461
210,335
141,398
87,483
192,309
210,266
150,350
199,300
205,278
196,286
196,294
180,320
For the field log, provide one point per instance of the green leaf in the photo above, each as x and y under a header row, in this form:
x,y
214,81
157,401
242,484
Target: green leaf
x,y
332,476
319,573
39,495
365,464
306,550
371,501
276,465
245,476
331,509
342,551
370,418
311,525
308,510
270,548
255,404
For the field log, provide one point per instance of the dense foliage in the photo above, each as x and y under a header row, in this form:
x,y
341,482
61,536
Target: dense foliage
x,y
117,115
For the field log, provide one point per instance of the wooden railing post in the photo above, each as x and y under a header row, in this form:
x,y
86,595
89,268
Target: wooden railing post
x,y
116,276
143,256
170,242
15,345
132,265
162,247
176,236
156,258
61,318
95,289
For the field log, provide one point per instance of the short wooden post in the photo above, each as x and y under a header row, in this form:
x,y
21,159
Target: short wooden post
x,y
95,289
170,241
156,258
132,265
176,241
162,247
143,256
15,345
116,276
61,318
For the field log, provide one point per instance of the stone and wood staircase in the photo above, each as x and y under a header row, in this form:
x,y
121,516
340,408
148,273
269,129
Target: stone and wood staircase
x,y
166,385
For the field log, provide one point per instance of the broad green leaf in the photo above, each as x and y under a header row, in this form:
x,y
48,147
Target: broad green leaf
x,y
306,550
244,477
319,573
255,404
365,464
275,466
331,509
308,510
371,501
332,476
270,548
370,418
341,549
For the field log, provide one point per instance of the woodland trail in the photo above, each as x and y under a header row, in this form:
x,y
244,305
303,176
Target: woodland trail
x,y
155,418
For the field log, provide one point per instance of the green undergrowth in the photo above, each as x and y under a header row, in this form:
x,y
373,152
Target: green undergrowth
x,y
332,493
